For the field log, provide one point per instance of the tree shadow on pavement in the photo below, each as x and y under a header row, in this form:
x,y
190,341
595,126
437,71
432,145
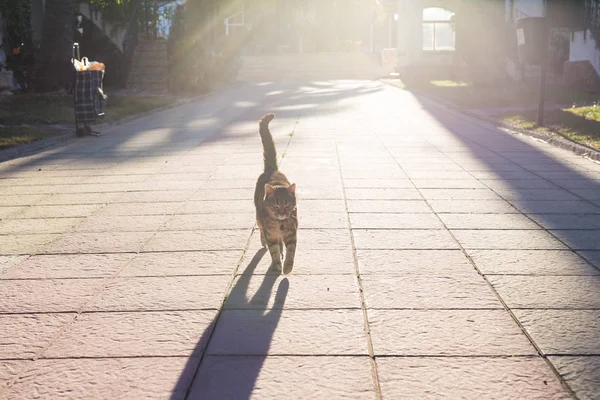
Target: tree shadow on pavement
x,y
191,125
230,354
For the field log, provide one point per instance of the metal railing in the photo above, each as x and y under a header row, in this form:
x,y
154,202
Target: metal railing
x,y
228,23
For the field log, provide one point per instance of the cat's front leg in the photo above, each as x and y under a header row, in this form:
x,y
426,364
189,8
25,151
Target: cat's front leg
x,y
263,239
275,251
290,252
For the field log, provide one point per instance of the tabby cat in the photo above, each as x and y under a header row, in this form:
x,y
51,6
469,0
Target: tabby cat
x,y
275,201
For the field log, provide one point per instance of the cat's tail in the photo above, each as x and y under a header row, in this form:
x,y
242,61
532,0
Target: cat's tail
x,y
269,152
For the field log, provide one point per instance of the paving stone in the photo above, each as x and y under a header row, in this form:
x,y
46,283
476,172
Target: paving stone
x,y
101,242
223,194
532,262
563,332
446,332
378,183
388,206
228,183
593,257
6,212
183,263
320,206
79,198
245,377
459,194
306,292
428,292
122,223
20,200
114,378
161,293
37,226
7,262
507,239
448,184
526,188
383,194
25,244
24,335
314,239
285,332
211,221
537,194
414,262
579,239
306,262
586,193
136,334
60,211
436,175
582,374
155,196
57,295
403,239
130,209
468,378
395,221
555,207
501,175
473,207
116,179
321,193
218,206
233,239
487,221
567,221
550,291
69,266
9,370
323,220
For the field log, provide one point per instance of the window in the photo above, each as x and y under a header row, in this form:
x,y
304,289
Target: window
x,y
438,30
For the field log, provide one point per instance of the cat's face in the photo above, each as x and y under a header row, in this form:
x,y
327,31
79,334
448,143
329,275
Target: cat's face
x,y
280,202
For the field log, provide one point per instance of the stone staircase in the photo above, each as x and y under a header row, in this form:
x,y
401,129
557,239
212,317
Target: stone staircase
x,y
310,66
150,69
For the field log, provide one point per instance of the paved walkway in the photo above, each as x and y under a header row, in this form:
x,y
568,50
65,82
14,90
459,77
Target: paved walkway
x,y
437,257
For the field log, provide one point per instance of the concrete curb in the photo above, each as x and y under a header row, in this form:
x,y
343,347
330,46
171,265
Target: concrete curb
x,y
559,142
46,144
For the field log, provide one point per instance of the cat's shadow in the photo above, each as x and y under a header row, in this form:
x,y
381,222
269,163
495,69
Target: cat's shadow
x,y
207,376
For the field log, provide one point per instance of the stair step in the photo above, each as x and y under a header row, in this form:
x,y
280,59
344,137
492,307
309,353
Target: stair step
x,y
148,79
311,66
149,70
151,55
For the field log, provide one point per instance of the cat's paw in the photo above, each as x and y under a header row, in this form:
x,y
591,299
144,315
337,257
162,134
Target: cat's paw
x,y
288,266
276,265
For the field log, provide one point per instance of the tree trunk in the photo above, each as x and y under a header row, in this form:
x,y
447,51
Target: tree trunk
x,y
54,69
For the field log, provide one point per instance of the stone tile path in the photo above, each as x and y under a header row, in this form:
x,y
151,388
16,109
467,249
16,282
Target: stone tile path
x,y
438,257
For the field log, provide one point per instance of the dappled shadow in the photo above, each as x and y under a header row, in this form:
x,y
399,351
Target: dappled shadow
x,y
209,374
215,118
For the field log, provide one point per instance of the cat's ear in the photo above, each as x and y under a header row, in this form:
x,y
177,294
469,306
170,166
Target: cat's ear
x,y
269,190
292,189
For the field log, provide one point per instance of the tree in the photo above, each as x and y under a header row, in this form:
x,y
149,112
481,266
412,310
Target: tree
x,y
18,42
53,70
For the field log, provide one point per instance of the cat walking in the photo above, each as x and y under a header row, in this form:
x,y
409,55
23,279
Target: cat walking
x,y
275,201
